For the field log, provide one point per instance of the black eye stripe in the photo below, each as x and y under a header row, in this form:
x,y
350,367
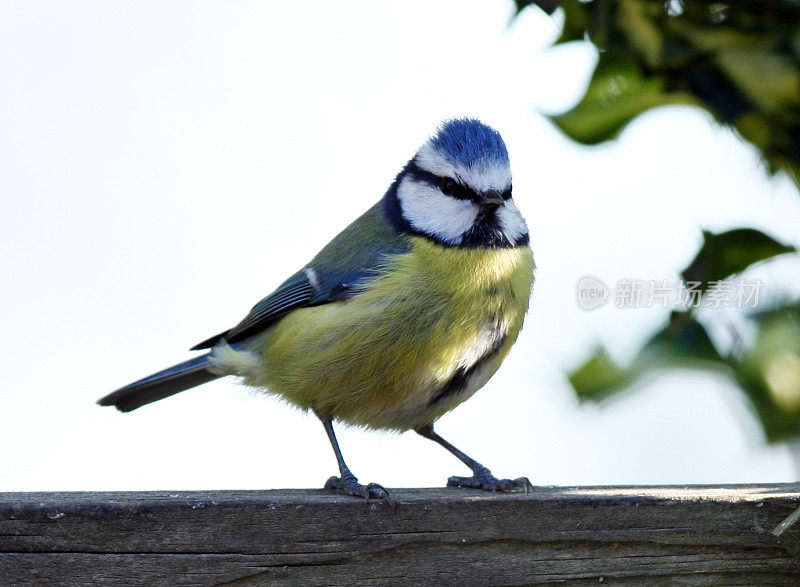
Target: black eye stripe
x,y
420,174
460,191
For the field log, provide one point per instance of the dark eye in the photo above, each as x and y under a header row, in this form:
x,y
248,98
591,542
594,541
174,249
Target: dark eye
x,y
507,194
448,185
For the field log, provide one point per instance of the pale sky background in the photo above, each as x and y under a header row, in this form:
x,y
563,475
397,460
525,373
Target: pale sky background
x,y
164,165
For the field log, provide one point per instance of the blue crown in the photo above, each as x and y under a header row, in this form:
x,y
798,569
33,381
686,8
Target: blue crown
x,y
469,142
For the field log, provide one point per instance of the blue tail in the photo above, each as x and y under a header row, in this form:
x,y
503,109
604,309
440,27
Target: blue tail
x,y
163,384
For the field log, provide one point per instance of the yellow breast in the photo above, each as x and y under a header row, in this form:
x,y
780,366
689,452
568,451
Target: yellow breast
x,y
380,358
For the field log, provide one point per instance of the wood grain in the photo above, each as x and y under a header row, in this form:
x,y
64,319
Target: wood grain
x,y
623,535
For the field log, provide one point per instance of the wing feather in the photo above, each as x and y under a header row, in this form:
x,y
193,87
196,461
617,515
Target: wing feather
x,y
297,291
356,256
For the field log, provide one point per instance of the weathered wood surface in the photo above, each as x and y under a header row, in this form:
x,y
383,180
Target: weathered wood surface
x,y
680,535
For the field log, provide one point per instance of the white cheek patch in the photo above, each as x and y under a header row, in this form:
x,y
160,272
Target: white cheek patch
x,y
482,177
430,211
511,221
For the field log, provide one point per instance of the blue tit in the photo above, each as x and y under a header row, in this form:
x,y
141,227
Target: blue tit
x,y
400,318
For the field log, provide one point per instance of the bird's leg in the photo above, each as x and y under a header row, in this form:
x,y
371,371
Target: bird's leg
x,y
482,477
347,483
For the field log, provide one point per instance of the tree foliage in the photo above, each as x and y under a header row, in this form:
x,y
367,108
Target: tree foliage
x,y
768,372
740,61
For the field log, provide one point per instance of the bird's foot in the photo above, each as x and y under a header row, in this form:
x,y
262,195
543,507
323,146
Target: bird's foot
x,y
348,485
483,479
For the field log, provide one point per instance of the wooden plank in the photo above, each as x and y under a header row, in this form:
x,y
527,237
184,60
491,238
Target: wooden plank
x,y
689,535
788,533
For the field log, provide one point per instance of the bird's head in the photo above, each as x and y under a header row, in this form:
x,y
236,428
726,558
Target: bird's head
x,y
456,190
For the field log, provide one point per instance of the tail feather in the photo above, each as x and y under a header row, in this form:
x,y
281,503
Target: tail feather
x,y
163,384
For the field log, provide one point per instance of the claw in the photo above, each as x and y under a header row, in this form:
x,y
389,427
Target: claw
x,y
349,485
483,479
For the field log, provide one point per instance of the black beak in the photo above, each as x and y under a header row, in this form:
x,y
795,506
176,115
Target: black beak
x,y
490,200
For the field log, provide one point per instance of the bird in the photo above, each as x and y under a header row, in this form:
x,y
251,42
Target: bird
x,y
400,318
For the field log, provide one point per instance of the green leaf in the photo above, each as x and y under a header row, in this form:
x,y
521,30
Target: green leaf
x,y
599,376
617,93
727,253
770,373
637,20
576,22
768,79
682,343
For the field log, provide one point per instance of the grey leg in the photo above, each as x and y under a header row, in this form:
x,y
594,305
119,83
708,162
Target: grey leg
x,y
482,477
347,483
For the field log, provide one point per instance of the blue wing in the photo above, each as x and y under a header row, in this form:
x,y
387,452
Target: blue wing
x,y
354,257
